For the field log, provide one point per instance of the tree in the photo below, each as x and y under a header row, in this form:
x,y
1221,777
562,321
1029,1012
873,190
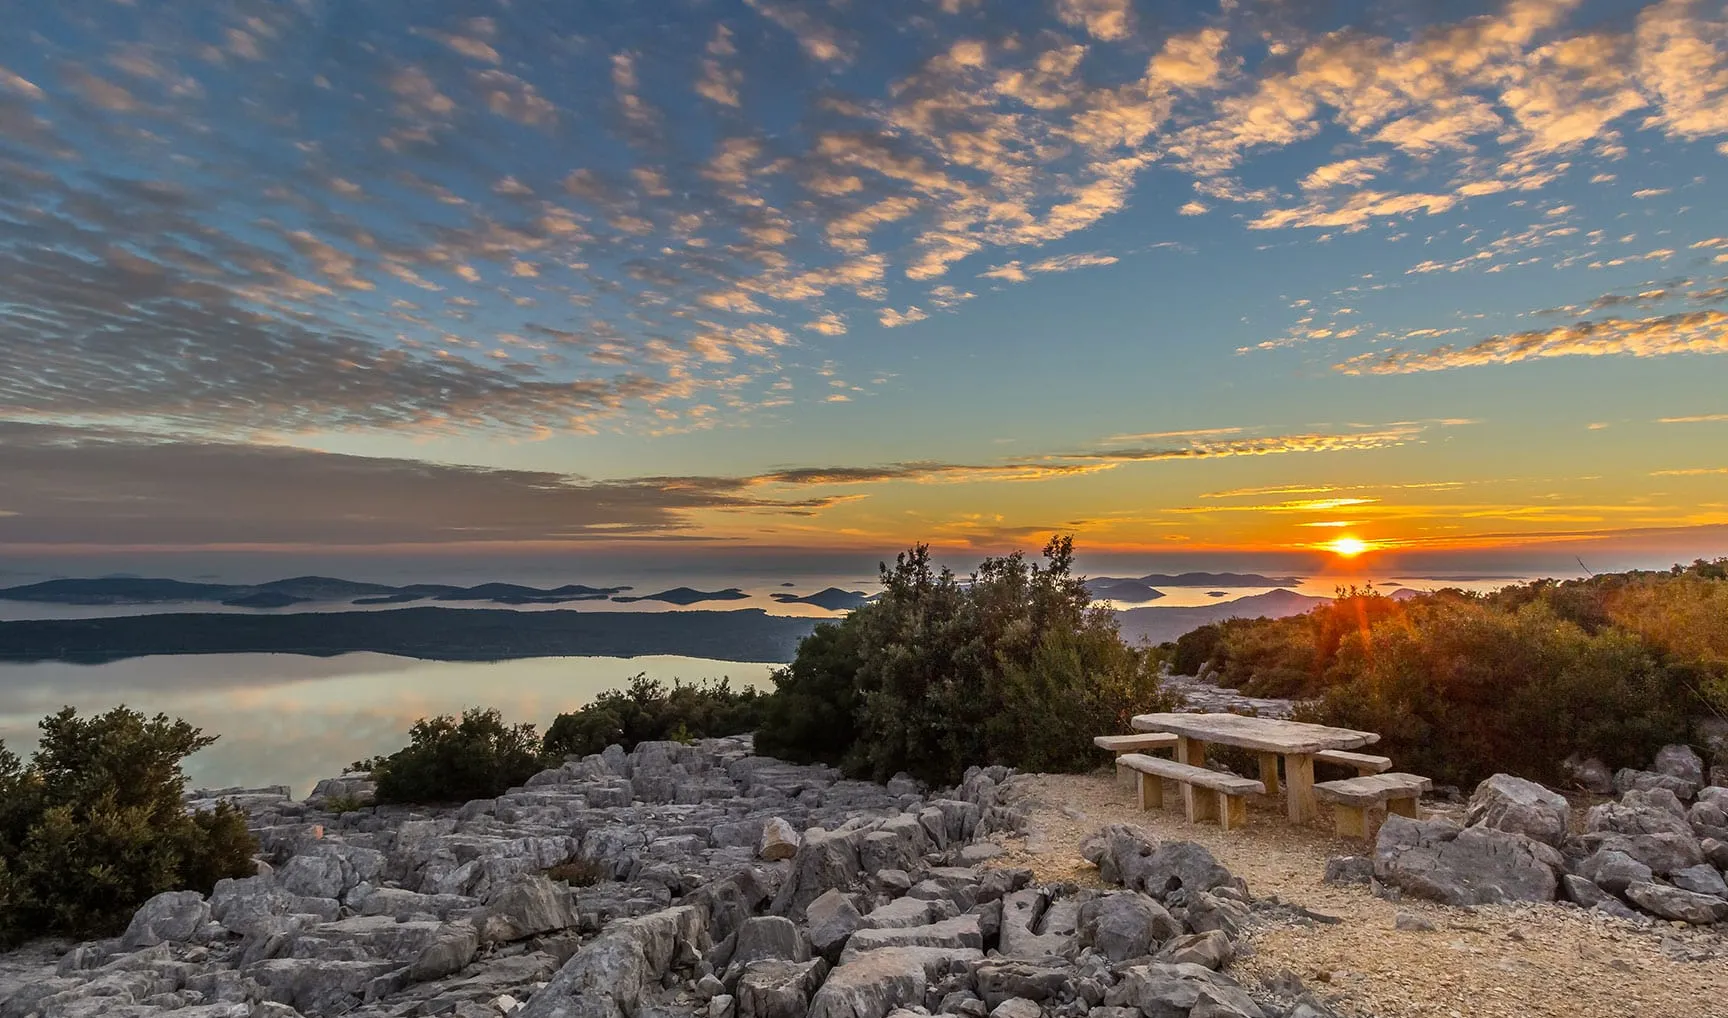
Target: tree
x,y
96,824
451,759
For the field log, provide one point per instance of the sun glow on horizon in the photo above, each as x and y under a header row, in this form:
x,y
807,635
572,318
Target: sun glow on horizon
x,y
1347,547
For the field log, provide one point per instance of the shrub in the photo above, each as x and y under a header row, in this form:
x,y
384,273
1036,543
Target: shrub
x,y
96,825
649,711
451,759
1015,667
1462,685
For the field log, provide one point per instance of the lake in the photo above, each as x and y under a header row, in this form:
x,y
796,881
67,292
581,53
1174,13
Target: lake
x,y
290,719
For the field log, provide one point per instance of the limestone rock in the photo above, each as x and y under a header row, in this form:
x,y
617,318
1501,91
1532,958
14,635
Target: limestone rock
x,y
1674,903
1162,990
1627,779
172,916
877,982
609,975
1464,866
1211,949
1702,879
1591,774
1509,803
1612,871
1582,891
1017,1007
1349,869
831,920
1681,762
778,841
1126,925
529,904
779,989
957,933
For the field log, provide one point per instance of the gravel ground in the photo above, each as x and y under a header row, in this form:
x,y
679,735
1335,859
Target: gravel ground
x,y
1529,961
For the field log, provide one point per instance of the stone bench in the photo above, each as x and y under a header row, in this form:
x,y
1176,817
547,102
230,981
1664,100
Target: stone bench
x,y
1363,763
1140,742
1206,795
1360,804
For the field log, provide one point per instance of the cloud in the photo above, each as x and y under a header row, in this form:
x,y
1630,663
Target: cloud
x,y
1014,272
1694,419
1105,20
1194,208
1690,472
78,486
1702,332
828,324
893,319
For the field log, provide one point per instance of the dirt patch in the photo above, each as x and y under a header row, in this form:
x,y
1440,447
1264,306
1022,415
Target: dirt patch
x,y
1529,961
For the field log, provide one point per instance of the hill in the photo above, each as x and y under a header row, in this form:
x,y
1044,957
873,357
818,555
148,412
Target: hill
x,y
1158,624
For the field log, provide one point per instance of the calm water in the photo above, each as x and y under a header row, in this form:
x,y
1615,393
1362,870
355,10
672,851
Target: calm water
x,y
289,719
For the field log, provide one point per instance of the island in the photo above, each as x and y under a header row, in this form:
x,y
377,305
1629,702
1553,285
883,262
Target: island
x,y
426,632
125,590
687,595
1126,591
832,598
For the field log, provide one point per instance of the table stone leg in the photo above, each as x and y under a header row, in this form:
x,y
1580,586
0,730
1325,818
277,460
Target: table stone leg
x,y
1124,775
1269,772
1191,751
1299,787
1195,801
1202,803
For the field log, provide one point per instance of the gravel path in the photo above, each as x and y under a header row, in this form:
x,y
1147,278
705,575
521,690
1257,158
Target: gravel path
x,y
1532,961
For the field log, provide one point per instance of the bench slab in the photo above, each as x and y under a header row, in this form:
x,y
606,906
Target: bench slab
x,y
1373,789
1364,763
1188,774
1130,743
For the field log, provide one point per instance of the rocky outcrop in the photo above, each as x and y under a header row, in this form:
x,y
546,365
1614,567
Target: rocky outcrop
x,y
1512,804
1438,860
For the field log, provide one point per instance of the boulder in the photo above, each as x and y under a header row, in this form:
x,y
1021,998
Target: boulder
x,y
1017,1007
1509,803
766,938
1162,990
1129,856
831,920
609,976
1211,949
528,904
1702,879
455,945
1654,798
778,840
1627,779
357,788
1664,853
825,860
1679,761
1612,871
172,916
903,912
877,982
1582,892
1708,818
779,989
1349,869
1046,979
1675,903
1437,859
1126,925
959,932
1589,774
1715,852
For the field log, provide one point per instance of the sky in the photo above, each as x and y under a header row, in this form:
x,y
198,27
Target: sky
x,y
698,281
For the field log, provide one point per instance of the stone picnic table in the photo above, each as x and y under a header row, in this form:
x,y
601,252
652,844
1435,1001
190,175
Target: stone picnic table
x,y
1270,738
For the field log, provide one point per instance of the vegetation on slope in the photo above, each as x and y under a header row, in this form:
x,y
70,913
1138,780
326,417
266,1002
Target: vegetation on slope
x,y
1460,685
1015,666
95,825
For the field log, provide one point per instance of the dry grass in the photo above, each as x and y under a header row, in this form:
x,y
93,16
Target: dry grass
x,y
1536,961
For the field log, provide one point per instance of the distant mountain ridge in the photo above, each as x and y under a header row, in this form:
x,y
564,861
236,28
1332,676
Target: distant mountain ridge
x,y
123,590
1204,580
1158,624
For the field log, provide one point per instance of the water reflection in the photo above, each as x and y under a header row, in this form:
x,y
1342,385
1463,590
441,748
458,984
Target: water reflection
x,y
290,719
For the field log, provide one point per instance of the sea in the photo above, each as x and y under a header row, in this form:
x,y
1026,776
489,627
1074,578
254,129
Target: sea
x,y
292,719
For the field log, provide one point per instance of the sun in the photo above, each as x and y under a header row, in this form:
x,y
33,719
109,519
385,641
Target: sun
x,y
1347,547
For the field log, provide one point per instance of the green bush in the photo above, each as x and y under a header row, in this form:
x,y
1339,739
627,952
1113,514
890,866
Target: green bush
x,y
451,759
95,825
649,711
1461,685
1015,667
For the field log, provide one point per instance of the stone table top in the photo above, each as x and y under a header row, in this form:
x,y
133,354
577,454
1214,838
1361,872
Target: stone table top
x,y
1267,735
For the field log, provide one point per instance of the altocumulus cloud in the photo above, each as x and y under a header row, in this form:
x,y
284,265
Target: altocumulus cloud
x,y
528,218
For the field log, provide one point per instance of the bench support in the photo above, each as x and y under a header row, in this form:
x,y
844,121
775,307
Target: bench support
x,y
1232,811
1405,807
1151,790
1202,804
1299,787
1269,772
